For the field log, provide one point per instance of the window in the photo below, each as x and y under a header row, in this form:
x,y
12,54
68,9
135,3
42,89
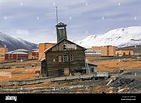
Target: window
x,y
65,58
71,57
53,60
124,53
64,47
59,59
129,53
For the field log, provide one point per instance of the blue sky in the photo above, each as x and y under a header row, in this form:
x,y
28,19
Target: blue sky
x,y
35,20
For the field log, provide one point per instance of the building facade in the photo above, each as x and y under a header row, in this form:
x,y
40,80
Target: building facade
x,y
13,56
63,59
42,48
105,51
109,51
18,54
35,54
3,51
125,52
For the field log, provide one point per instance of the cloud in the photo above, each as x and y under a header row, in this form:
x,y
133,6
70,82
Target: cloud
x,y
39,18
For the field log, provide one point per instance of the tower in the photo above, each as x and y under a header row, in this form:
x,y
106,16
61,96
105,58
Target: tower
x,y
61,31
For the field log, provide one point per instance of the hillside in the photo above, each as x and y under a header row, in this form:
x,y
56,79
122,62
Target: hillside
x,y
12,43
121,37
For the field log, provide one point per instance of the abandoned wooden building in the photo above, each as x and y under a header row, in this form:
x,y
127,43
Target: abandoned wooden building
x,y
64,58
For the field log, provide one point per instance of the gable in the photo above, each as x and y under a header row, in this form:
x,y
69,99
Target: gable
x,y
65,45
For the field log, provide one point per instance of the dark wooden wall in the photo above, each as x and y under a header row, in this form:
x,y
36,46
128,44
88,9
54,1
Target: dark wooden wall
x,y
56,68
53,64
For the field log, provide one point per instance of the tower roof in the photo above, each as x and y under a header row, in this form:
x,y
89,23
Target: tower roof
x,y
61,24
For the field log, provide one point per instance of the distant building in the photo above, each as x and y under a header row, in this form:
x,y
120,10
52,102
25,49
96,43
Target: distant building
x,y
3,50
18,54
105,51
14,55
109,51
124,52
35,54
42,48
93,52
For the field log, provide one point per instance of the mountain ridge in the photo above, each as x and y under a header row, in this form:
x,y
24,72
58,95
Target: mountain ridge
x,y
13,43
120,37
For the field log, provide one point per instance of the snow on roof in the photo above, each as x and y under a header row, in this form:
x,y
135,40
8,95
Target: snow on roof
x,y
21,50
15,52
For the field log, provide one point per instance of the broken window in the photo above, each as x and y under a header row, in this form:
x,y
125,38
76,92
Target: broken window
x,y
59,59
64,47
71,57
53,60
65,58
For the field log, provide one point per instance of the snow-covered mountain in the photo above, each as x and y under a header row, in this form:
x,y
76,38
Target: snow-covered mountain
x,y
12,43
121,37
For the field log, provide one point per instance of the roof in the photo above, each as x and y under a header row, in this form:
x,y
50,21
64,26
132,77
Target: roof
x,y
92,64
122,49
61,24
15,52
62,41
43,59
35,50
46,43
21,50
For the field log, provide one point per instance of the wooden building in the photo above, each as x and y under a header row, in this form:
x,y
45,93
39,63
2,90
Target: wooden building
x,y
63,59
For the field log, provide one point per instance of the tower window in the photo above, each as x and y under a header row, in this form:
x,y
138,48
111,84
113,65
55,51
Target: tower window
x,y
64,47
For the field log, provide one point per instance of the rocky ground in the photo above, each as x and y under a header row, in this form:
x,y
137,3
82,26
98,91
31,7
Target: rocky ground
x,y
125,78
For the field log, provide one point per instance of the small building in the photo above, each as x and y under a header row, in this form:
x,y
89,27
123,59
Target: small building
x,y
108,51
3,50
93,52
92,68
104,51
124,52
14,55
63,59
35,53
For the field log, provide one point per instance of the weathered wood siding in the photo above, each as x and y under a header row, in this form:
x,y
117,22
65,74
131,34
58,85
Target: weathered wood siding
x,y
56,68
